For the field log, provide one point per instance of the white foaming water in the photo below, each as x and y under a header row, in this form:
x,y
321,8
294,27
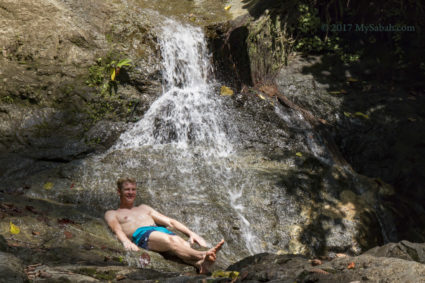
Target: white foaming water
x,y
187,114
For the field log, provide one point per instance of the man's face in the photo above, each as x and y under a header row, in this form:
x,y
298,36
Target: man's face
x,y
128,192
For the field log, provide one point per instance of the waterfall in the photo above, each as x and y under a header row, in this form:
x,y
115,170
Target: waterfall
x,y
187,114
189,123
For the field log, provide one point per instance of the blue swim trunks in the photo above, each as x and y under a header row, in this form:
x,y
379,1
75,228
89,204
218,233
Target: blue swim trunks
x,y
141,235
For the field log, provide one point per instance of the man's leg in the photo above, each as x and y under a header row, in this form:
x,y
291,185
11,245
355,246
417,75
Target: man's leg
x,y
161,242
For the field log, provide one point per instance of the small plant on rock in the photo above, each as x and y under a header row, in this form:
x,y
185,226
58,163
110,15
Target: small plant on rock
x,y
104,72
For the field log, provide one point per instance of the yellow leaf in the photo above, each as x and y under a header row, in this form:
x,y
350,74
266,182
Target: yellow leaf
x,y
299,154
261,96
225,274
113,75
347,114
226,91
48,186
352,80
14,229
227,8
360,114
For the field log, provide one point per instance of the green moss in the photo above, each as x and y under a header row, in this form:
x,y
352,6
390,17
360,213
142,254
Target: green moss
x,y
7,99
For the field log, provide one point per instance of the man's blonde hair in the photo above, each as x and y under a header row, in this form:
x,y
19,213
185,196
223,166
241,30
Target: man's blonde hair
x,y
123,180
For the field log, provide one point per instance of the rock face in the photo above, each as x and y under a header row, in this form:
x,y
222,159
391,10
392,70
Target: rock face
x,y
376,125
366,267
49,53
11,268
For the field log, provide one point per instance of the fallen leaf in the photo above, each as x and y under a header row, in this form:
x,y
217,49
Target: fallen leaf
x,y
48,186
411,119
35,233
72,185
120,277
341,255
316,261
227,8
68,235
14,229
348,114
351,265
226,91
352,80
360,114
261,96
299,154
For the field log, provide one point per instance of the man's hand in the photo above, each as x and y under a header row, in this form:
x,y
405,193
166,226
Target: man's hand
x,y
129,246
194,238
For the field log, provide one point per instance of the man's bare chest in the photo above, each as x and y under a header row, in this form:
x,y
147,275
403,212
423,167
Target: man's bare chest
x,y
134,216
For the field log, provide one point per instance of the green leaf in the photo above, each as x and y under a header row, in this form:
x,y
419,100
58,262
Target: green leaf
x,y
125,62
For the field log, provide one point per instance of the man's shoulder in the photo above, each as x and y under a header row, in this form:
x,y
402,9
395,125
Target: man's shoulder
x,y
110,213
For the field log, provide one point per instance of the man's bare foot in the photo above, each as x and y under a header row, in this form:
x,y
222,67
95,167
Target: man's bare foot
x,y
209,259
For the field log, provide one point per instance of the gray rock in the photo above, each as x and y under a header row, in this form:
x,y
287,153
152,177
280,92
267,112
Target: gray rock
x,y
11,269
403,250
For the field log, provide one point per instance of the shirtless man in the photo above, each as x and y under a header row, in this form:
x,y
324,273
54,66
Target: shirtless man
x,y
138,223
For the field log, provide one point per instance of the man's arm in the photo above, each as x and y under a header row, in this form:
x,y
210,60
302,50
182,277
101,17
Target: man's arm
x,y
115,226
170,222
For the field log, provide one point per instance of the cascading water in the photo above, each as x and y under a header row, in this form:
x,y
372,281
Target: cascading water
x,y
187,114
189,122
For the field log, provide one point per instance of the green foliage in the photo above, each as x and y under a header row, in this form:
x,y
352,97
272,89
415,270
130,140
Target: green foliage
x,y
7,99
102,74
311,37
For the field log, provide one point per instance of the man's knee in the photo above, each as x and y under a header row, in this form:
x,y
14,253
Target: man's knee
x,y
174,242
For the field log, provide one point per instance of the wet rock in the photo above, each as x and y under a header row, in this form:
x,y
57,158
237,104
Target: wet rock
x,y
11,269
290,268
403,250
103,134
